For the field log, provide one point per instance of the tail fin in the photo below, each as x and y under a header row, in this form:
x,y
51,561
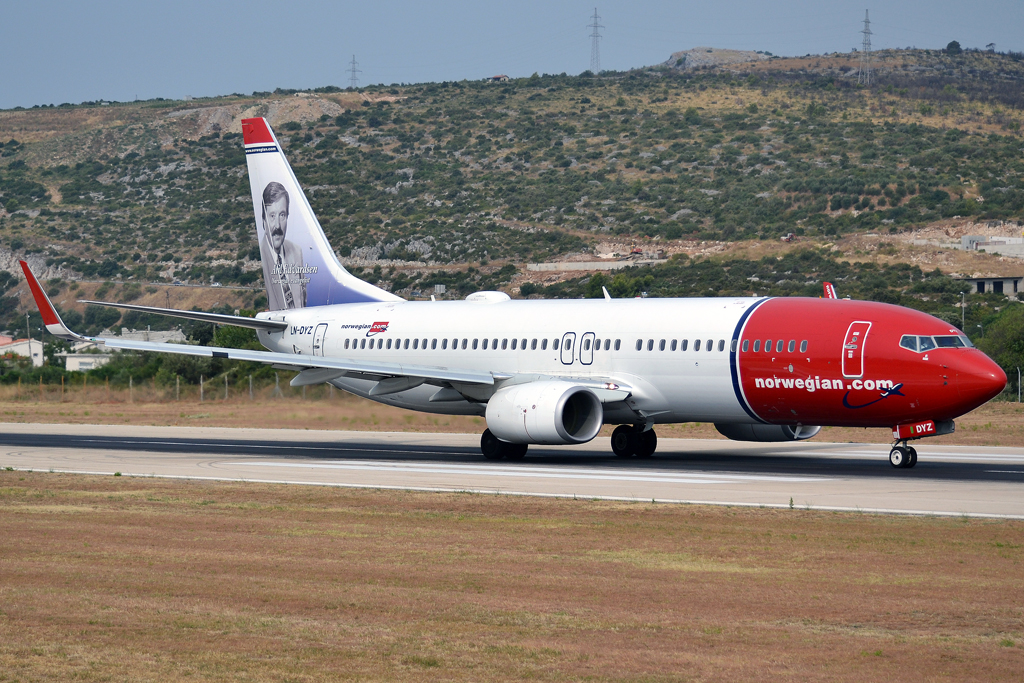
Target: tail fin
x,y
299,266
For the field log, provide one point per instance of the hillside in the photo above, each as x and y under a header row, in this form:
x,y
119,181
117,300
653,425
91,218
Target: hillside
x,y
462,183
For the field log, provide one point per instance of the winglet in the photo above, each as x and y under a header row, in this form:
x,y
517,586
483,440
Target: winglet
x,y
830,291
54,325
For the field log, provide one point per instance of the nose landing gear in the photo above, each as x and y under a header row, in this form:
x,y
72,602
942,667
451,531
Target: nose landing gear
x,y
903,456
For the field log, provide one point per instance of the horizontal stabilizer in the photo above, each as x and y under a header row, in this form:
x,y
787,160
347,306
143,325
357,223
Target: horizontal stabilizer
x,y
218,318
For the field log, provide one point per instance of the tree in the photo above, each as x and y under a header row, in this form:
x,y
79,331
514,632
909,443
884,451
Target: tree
x,y
953,48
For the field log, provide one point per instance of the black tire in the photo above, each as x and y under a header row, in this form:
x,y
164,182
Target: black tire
x,y
624,441
647,443
898,457
491,446
912,459
516,451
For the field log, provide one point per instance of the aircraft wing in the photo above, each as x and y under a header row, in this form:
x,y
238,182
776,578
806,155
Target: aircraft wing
x,y
313,369
218,318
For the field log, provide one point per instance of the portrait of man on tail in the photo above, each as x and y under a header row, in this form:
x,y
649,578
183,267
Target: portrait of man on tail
x,y
282,259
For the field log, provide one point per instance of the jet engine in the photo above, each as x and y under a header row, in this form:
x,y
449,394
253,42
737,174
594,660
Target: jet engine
x,y
757,432
545,412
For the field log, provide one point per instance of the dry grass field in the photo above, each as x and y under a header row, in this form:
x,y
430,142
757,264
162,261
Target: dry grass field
x,y
994,424
150,580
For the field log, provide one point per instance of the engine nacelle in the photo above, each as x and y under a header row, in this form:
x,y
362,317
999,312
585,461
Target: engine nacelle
x,y
545,412
755,432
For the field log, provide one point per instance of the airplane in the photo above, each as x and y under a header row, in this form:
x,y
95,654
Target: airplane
x,y
554,372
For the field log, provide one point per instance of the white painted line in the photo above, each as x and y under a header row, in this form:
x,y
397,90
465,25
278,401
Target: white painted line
x,y
540,473
1005,471
632,499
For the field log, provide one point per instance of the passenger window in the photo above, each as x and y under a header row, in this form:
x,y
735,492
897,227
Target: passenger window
x,y
522,345
504,344
514,344
554,344
683,344
746,345
925,344
792,345
721,345
465,343
533,345
650,344
696,344
639,344
380,343
767,345
597,344
661,345
433,344
732,347
711,345
757,345
803,346
424,344
778,346
618,343
444,344
415,343
346,343
586,344
494,344
389,344
543,344
475,344
607,344
673,348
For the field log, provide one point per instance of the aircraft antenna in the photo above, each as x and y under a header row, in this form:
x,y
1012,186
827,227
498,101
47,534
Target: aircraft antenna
x,y
864,77
353,81
595,44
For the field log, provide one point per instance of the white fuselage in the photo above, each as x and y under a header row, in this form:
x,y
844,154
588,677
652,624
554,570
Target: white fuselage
x,y
572,339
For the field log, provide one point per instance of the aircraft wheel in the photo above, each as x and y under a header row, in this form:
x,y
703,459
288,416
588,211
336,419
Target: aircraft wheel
x,y
624,441
647,443
912,456
516,451
491,446
898,457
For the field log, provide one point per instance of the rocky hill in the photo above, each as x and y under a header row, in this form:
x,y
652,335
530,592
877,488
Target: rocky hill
x,y
462,183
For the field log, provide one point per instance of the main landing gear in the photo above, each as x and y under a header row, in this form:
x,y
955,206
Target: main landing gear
x,y
494,448
632,440
903,456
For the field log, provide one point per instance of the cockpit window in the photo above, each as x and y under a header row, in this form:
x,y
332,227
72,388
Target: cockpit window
x,y
943,341
949,341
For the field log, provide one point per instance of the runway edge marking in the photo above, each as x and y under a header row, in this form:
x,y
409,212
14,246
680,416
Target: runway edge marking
x,y
527,494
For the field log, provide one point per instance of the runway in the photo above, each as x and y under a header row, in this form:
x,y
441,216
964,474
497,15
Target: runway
x,y
962,480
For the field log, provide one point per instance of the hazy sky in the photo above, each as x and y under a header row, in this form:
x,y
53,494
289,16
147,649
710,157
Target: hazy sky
x,y
54,52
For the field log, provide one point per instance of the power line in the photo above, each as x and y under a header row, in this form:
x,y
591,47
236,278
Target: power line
x,y
353,81
864,77
595,44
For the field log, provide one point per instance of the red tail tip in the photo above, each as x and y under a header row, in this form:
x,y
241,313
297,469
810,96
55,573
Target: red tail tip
x,y
256,131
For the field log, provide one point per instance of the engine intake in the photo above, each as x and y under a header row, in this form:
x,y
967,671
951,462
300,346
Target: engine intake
x,y
757,432
545,412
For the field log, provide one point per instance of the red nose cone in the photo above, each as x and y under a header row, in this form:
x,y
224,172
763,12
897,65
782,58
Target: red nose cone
x,y
978,378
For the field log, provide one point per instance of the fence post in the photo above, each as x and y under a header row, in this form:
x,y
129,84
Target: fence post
x,y
277,386
225,386
131,390
62,388
250,387
177,387
201,388
40,388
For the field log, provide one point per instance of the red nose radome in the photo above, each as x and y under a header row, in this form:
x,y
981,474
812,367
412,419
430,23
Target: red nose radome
x,y
978,378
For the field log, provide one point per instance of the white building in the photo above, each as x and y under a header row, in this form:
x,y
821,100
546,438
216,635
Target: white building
x,y
83,362
28,348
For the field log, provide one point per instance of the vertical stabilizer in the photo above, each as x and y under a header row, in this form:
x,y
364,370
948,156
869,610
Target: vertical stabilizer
x,y
299,266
